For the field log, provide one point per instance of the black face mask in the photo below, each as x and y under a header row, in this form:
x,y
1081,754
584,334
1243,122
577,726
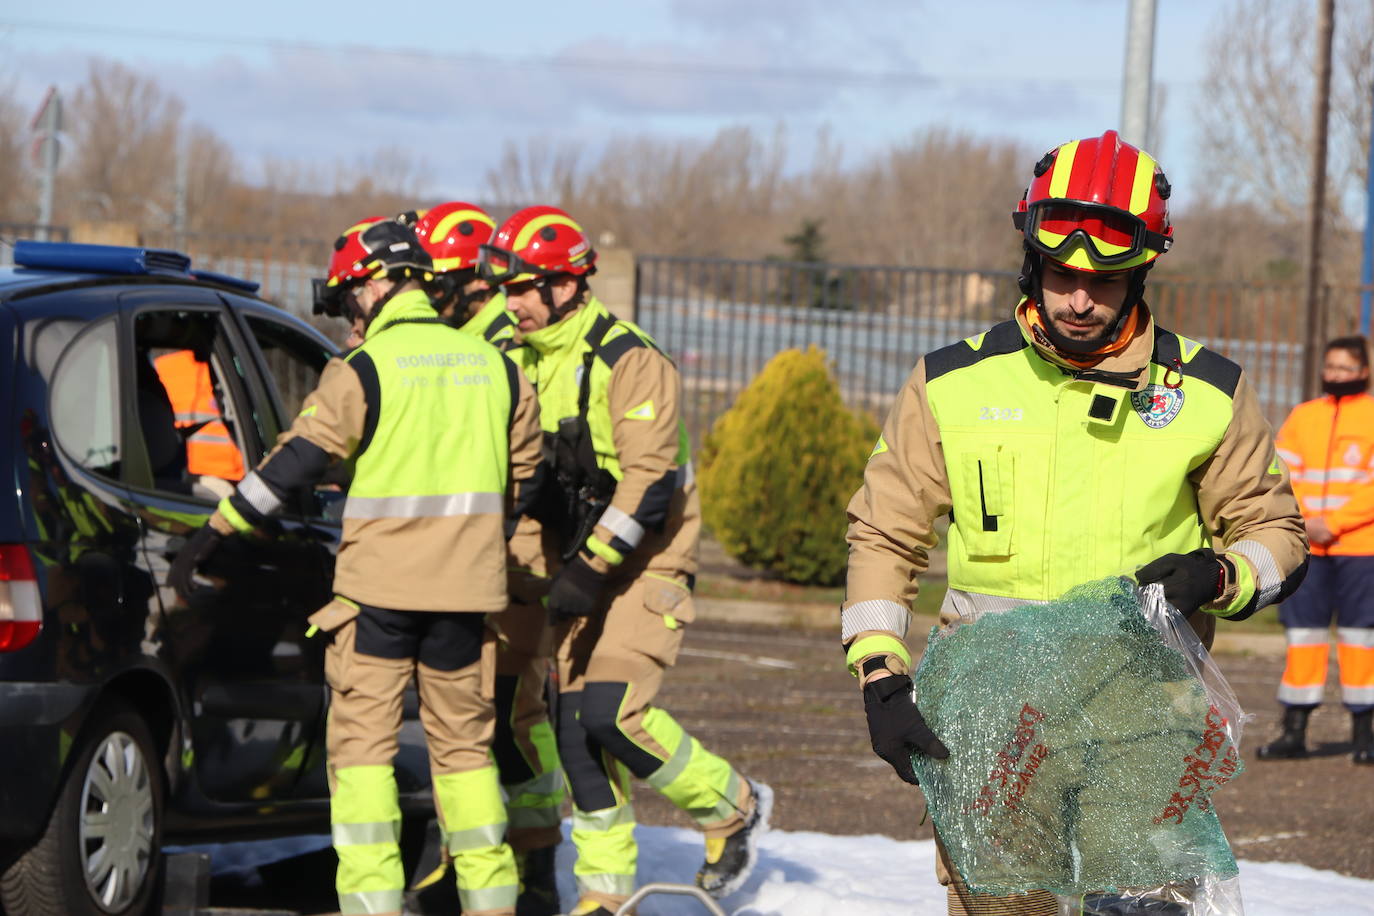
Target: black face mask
x,y
1345,389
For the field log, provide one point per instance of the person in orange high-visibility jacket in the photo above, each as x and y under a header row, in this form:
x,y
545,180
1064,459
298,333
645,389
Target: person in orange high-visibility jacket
x,y
210,450
1328,444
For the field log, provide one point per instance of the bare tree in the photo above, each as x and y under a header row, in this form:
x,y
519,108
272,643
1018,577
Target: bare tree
x,y
16,185
1255,147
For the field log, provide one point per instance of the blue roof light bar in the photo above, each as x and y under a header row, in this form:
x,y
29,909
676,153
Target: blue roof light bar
x,y
105,259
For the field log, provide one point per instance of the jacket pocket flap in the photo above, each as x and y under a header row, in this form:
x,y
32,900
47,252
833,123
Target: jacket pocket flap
x,y
333,615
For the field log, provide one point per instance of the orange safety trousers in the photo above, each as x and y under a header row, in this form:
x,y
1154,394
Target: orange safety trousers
x,y
1339,589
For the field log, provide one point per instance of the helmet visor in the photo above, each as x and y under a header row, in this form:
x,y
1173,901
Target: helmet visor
x,y
1112,236
498,266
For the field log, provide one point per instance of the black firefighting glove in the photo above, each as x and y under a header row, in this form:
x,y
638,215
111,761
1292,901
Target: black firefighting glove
x,y
897,727
576,591
1190,580
195,551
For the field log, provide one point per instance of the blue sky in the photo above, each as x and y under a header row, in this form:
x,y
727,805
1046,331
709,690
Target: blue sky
x,y
323,84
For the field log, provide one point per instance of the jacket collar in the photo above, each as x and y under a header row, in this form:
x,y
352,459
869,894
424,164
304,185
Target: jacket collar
x,y
1130,365
495,307
568,331
410,304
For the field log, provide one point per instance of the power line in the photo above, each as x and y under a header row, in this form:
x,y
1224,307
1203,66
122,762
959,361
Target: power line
x,y
907,79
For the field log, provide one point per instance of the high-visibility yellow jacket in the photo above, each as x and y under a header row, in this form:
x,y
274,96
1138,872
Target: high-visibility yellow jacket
x,y
1054,476
439,425
1328,445
637,433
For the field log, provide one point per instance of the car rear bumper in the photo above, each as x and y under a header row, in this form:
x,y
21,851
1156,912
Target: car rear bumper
x,y
38,723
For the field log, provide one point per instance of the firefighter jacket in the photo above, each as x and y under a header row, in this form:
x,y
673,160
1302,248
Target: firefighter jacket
x,y
495,324
653,518
1328,445
210,450
443,432
1053,476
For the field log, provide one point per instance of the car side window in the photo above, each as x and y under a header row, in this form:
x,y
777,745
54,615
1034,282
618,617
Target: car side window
x,y
187,408
294,363
85,399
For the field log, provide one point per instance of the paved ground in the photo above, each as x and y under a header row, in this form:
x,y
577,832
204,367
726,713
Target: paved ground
x,y
778,704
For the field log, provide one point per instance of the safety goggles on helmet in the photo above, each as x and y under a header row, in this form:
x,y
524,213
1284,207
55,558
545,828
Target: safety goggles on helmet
x,y
1110,235
498,266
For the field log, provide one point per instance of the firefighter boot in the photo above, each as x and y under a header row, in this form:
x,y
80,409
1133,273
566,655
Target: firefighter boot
x,y
1362,736
538,884
589,907
730,859
1293,742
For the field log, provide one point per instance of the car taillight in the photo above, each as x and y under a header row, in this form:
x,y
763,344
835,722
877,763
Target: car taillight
x,y
21,610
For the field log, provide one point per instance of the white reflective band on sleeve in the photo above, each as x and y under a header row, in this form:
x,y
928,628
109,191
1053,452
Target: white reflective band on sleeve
x,y
877,614
258,495
1289,458
686,475
622,526
1268,579
442,505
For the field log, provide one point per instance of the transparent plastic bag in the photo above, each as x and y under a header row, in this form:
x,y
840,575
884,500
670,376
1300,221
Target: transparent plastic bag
x,y
1086,737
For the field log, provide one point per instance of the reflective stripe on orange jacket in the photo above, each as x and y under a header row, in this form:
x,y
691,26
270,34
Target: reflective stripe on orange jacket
x,y
1329,447
210,450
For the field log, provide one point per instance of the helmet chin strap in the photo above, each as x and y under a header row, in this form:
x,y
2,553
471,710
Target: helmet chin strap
x,y
1031,282
558,313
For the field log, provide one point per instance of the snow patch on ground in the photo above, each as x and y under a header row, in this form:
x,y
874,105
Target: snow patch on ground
x,y
815,874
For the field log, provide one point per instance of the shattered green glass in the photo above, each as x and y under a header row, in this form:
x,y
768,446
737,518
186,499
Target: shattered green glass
x,y
1084,742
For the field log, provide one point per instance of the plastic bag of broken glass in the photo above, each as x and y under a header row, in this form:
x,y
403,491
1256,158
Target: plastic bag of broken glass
x,y
1086,737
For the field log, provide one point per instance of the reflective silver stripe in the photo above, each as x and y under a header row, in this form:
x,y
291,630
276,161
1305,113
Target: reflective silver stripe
x,y
686,475
672,768
969,606
606,883
477,899
1268,579
210,439
875,614
366,834
1289,458
542,816
1357,696
257,494
721,810
193,417
550,783
1325,502
1333,475
440,506
362,902
605,819
481,837
1308,636
622,526
1356,636
1300,696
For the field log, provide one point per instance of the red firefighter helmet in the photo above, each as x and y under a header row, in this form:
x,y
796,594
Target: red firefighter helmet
x,y
453,233
536,242
1098,204
377,246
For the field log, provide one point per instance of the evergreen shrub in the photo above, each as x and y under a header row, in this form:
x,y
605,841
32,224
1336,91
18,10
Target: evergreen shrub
x,y
779,467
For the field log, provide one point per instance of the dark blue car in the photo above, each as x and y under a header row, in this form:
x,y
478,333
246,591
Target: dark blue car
x,y
128,718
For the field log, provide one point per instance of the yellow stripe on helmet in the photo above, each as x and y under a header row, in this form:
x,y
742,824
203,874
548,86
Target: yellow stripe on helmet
x,y
442,228
1144,180
539,222
1063,168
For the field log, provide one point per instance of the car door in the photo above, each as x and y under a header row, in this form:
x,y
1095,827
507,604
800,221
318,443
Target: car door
x,y
238,645
290,357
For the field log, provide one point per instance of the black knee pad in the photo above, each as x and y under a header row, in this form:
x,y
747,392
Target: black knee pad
x,y
591,787
601,718
510,762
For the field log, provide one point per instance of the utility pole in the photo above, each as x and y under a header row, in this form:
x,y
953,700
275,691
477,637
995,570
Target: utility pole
x,y
1326,15
46,125
1138,76
1367,271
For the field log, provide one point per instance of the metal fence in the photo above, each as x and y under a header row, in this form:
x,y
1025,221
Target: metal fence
x,y
723,320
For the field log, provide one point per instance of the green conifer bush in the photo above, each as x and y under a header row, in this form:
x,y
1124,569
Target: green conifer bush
x,y
779,467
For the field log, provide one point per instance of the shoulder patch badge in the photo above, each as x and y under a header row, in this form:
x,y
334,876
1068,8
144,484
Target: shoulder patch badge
x,y
644,411
1157,405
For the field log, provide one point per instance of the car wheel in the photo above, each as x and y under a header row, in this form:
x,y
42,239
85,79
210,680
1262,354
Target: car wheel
x,y
101,854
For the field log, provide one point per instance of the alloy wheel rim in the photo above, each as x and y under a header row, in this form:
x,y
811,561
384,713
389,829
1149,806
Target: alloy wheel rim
x,y
117,822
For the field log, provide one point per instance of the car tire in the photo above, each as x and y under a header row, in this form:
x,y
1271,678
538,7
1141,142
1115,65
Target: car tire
x,y
101,854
